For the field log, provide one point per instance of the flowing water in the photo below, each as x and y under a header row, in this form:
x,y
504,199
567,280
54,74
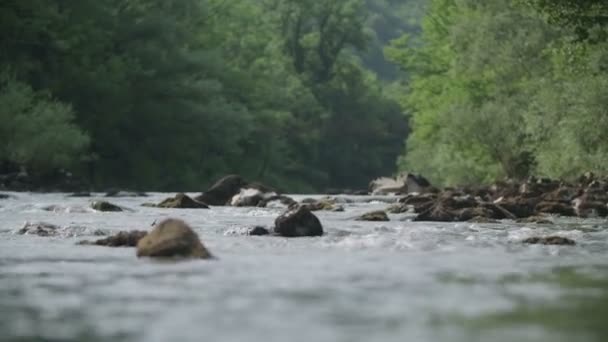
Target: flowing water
x,y
362,281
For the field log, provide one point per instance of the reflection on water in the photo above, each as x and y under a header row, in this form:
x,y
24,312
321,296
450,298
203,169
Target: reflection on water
x,y
362,281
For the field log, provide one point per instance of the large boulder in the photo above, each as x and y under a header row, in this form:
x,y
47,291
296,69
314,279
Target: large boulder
x,y
182,201
298,221
223,190
172,238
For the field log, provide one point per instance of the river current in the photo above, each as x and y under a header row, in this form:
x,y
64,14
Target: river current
x,y
362,281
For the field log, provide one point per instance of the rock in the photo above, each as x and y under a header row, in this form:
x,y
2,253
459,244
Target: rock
x,y
122,239
469,214
519,206
4,196
105,206
416,183
172,238
223,190
182,201
80,194
248,198
386,186
482,219
535,219
258,231
376,216
298,221
550,240
398,208
557,208
277,201
324,204
40,229
120,193
584,207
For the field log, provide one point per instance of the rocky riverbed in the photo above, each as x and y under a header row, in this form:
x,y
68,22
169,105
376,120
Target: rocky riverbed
x,y
360,281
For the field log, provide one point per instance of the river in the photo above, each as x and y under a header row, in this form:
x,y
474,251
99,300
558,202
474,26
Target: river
x,y
362,281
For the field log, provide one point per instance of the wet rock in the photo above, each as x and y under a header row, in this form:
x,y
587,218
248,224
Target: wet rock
x,y
277,201
298,221
416,183
386,186
550,240
258,231
4,196
586,207
105,207
535,220
40,229
80,194
469,214
416,199
557,208
376,216
247,198
120,193
223,190
122,239
482,220
324,204
519,206
182,201
398,208
172,238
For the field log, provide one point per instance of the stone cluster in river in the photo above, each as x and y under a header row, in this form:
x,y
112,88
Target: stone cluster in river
x,y
234,190
588,197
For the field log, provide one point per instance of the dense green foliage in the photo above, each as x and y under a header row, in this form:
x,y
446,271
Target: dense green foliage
x,y
507,89
171,94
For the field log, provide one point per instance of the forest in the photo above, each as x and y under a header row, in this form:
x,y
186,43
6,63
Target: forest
x,y
304,95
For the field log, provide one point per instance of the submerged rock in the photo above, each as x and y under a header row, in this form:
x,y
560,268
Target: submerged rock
x,y
374,216
172,238
550,240
324,204
298,221
258,231
122,239
182,201
105,206
80,194
535,220
120,193
40,229
50,230
223,190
